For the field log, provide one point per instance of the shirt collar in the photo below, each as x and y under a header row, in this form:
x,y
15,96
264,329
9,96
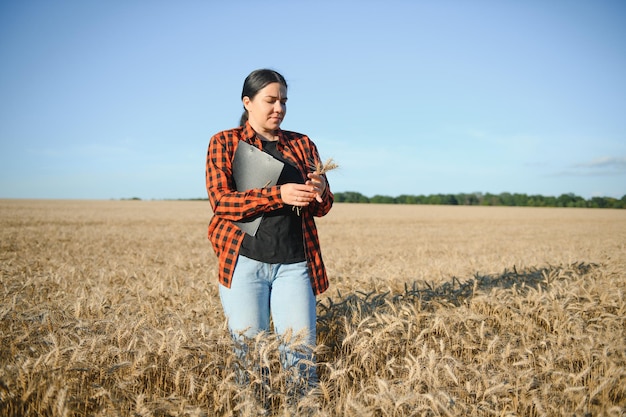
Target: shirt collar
x,y
250,135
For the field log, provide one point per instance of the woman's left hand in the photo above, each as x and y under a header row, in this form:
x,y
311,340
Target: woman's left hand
x,y
318,182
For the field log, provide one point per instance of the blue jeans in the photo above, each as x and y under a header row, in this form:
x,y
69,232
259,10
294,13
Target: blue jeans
x,y
282,291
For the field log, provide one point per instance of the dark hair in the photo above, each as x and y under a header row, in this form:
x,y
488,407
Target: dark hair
x,y
256,81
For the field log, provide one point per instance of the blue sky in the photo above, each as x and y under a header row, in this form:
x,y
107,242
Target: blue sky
x,y
119,99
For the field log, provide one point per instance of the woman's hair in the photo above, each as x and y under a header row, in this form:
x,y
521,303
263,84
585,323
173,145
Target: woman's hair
x,y
256,81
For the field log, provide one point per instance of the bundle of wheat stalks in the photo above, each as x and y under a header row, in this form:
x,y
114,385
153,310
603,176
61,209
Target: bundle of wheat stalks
x,y
323,168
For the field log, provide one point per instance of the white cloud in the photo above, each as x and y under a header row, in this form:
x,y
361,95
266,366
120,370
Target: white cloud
x,y
606,162
608,166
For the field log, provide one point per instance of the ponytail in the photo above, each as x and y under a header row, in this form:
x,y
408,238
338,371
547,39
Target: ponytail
x,y
244,118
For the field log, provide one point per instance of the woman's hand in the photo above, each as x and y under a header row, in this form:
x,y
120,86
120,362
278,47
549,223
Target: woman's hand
x,y
298,195
318,182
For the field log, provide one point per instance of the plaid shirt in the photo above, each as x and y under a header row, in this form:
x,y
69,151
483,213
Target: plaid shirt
x,y
230,205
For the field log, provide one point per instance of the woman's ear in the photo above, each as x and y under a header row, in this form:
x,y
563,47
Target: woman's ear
x,y
246,102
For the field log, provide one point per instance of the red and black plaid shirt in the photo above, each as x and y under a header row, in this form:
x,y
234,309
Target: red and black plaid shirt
x,y
230,205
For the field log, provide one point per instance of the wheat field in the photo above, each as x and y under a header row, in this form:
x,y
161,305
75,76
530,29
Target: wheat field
x,y
110,308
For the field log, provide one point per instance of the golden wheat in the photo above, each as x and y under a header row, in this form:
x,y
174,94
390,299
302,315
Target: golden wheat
x,y
323,168
112,308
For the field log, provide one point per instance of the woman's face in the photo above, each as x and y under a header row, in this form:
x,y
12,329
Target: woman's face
x,y
267,109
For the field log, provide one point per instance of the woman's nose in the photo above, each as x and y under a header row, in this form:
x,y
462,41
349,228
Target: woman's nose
x,y
279,107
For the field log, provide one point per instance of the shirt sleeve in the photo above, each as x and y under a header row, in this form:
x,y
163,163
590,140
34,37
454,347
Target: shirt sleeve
x,y
320,209
225,200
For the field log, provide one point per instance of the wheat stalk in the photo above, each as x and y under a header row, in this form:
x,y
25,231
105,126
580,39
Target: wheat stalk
x,y
322,168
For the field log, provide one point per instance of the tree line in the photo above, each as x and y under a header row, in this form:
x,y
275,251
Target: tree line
x,y
486,199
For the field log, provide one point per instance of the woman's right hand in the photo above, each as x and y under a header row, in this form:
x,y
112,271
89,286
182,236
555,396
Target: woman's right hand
x,y
299,195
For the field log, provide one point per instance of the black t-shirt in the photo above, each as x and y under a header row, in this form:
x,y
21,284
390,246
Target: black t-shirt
x,y
279,237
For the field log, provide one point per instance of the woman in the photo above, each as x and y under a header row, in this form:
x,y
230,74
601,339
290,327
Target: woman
x,y
278,271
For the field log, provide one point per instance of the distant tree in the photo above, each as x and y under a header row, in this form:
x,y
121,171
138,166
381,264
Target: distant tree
x,y
407,199
449,199
615,203
382,199
462,199
467,199
422,199
520,200
351,197
536,200
569,200
506,199
599,202
550,201
433,199
490,200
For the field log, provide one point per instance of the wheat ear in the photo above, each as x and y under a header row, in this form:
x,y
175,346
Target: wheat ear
x,y
327,166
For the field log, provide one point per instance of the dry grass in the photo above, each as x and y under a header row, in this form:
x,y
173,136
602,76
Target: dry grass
x,y
111,308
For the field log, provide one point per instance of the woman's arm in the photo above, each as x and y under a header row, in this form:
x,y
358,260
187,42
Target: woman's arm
x,y
225,200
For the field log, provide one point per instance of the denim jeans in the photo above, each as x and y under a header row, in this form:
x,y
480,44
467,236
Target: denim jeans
x,y
282,291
